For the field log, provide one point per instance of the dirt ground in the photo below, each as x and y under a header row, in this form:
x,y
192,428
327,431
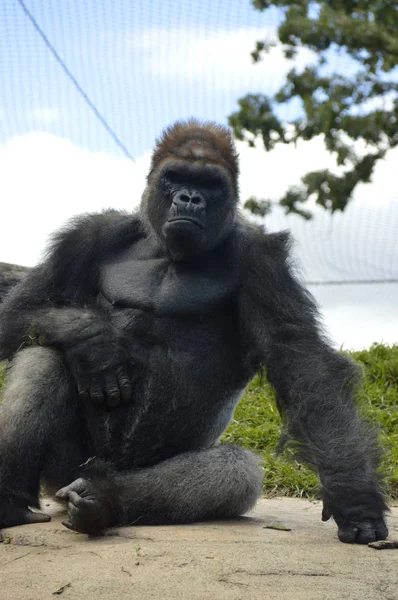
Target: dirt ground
x,y
234,560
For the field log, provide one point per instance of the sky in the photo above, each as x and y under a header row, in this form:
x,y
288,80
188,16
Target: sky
x,y
144,65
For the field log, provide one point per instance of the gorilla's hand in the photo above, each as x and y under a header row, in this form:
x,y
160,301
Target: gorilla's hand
x,y
91,505
99,365
359,516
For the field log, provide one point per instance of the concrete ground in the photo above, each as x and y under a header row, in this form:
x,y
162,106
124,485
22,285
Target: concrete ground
x,y
231,560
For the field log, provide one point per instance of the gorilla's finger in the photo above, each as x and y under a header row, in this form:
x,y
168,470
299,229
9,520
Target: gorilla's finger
x,y
113,398
63,493
97,394
68,525
326,514
72,510
126,389
381,530
36,517
74,499
112,391
82,390
76,486
347,534
366,533
126,392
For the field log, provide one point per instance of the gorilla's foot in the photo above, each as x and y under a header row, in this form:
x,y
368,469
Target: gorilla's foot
x,y
11,515
89,509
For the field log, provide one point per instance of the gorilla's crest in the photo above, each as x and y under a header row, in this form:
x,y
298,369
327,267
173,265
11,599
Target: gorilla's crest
x,y
196,140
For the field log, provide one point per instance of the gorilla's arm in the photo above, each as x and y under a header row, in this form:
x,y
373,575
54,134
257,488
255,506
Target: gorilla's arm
x,y
315,390
55,305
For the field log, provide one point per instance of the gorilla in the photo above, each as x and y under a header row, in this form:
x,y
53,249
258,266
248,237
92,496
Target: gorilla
x,y
133,341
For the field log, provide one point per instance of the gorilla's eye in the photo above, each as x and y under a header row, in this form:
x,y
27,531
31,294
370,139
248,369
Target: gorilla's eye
x,y
174,176
212,182
203,179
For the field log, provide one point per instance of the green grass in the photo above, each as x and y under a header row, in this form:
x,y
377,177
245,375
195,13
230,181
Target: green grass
x,y
257,425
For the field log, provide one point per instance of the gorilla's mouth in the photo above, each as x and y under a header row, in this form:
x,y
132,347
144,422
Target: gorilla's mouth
x,y
190,220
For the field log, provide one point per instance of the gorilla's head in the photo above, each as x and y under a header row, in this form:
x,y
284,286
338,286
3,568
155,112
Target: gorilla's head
x,y
191,197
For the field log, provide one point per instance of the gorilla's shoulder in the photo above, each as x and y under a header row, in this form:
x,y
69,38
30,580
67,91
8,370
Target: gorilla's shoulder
x,y
260,246
71,264
108,230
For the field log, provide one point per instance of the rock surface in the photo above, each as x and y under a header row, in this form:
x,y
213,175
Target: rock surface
x,y
234,560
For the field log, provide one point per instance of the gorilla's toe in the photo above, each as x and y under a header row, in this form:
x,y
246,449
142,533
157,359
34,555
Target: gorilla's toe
x,y
11,515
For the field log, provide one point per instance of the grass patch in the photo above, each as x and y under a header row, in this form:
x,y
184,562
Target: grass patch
x,y
257,425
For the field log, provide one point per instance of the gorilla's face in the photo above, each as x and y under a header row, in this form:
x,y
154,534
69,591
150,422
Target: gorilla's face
x,y
190,206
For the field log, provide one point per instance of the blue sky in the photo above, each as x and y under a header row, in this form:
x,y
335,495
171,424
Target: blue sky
x,y
125,55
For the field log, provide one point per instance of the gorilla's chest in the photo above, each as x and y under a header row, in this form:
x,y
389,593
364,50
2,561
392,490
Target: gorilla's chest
x,y
168,289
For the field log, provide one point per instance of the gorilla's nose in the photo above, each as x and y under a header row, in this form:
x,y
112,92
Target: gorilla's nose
x,y
189,199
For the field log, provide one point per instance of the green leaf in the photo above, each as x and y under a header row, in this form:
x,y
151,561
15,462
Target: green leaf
x,y
343,108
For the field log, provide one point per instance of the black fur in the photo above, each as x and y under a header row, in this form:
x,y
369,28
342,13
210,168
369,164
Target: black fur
x,y
144,331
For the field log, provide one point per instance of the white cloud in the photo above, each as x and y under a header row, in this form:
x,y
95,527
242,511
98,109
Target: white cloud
x,y
220,57
46,180
269,174
357,316
286,164
45,115
359,243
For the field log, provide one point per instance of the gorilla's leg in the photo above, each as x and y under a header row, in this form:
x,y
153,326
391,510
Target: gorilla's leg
x,y
219,482
39,433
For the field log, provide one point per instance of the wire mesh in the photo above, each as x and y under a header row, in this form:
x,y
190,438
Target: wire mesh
x,y
108,76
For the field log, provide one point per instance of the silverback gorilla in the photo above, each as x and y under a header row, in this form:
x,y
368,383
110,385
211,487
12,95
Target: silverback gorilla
x,y
133,342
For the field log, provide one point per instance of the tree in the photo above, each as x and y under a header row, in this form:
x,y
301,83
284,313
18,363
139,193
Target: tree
x,y
346,109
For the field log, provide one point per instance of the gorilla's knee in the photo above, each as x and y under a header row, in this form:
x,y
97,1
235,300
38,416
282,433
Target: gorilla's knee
x,y
34,375
241,476
37,362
